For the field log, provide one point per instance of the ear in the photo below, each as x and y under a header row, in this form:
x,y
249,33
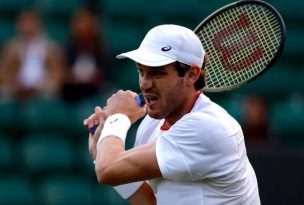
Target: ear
x,y
193,74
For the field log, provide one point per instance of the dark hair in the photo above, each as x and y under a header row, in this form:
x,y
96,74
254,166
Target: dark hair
x,y
182,68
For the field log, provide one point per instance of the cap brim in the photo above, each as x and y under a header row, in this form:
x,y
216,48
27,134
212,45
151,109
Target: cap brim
x,y
146,58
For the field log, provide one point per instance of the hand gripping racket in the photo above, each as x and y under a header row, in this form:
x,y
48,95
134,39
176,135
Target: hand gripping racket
x,y
140,102
243,40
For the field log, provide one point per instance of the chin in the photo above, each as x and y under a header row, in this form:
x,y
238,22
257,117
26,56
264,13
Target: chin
x,y
155,115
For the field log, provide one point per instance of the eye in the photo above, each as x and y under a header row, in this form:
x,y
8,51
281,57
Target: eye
x,y
157,72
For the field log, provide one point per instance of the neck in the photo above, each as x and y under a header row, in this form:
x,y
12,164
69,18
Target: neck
x,y
187,106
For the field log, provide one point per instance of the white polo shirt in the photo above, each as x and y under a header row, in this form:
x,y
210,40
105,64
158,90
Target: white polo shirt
x,y
202,158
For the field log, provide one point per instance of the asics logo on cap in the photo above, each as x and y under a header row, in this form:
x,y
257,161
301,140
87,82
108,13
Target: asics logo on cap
x,y
167,48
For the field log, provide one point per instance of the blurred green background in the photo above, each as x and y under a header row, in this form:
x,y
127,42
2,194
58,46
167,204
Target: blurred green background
x,y
43,145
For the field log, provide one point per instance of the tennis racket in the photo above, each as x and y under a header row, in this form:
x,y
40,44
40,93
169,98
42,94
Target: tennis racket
x,y
243,40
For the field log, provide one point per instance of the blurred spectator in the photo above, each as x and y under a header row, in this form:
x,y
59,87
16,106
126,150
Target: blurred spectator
x,y
257,130
31,62
86,57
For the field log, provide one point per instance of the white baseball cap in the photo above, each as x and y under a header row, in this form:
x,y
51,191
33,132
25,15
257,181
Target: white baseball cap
x,y
166,44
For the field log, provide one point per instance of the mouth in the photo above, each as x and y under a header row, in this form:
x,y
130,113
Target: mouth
x,y
151,99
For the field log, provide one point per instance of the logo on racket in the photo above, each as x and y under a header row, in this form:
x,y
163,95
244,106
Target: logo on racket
x,y
248,39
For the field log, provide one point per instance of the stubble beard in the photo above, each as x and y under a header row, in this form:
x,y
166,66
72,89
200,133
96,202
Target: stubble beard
x,y
173,102
176,101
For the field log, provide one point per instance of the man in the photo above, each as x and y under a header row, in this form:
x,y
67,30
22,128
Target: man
x,y
32,63
188,150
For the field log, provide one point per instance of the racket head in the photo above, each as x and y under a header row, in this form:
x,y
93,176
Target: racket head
x,y
242,40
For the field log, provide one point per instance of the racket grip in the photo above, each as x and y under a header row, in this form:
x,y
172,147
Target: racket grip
x,y
93,129
139,99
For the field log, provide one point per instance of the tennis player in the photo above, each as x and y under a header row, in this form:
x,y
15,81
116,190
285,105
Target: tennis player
x,y
188,149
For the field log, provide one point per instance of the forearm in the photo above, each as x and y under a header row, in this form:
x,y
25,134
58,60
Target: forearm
x,y
108,153
109,157
114,166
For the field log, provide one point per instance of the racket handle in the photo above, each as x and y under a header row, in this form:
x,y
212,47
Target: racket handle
x,y
139,99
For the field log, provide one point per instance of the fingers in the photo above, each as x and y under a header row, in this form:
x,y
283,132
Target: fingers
x,y
121,93
89,122
94,118
100,115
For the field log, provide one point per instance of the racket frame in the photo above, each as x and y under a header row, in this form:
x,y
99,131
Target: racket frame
x,y
273,60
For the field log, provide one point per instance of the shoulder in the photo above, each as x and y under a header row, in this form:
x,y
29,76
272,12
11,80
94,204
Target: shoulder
x,y
146,130
149,122
12,44
208,126
209,121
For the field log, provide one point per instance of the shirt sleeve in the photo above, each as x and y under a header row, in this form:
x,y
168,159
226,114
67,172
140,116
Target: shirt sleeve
x,y
145,131
197,147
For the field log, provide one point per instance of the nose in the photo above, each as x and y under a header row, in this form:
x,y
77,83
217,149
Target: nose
x,y
145,83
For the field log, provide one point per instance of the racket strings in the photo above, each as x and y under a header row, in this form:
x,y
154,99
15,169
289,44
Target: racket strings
x,y
244,51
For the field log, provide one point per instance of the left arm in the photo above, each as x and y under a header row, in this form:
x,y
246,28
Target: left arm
x,y
114,165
